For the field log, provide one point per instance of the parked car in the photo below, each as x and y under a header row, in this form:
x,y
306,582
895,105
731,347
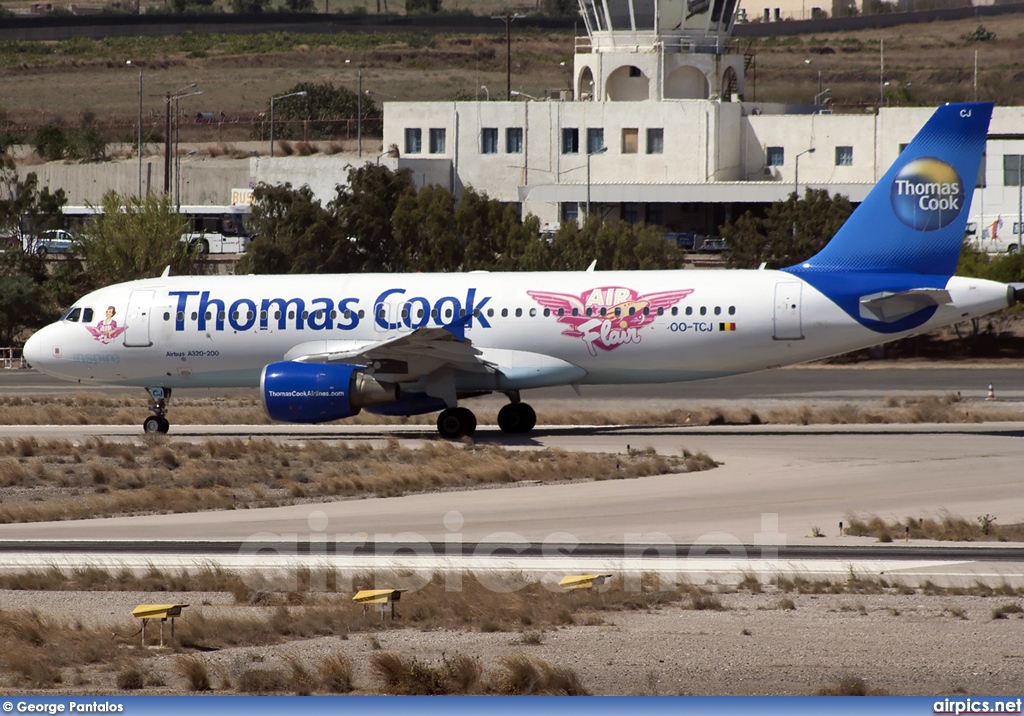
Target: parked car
x,y
52,241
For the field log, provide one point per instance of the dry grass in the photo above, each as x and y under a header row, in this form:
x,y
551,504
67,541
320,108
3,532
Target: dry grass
x,y
523,675
945,527
88,408
34,648
195,672
61,480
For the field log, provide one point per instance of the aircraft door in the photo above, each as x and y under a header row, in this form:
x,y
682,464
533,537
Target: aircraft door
x,y
136,319
383,317
788,324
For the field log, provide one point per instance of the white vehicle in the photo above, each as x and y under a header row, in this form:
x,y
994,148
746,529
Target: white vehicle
x,y
216,229
51,241
323,347
995,236
211,229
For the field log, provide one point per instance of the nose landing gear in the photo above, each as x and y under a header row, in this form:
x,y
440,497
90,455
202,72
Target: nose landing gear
x,y
157,423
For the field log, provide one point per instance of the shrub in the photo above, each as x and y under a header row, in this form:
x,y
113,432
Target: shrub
x,y
130,678
195,672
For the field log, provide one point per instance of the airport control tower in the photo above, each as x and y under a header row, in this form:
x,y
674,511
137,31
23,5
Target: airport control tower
x,y
639,50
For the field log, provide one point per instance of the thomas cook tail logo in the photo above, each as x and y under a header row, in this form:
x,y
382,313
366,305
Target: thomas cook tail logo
x,y
927,194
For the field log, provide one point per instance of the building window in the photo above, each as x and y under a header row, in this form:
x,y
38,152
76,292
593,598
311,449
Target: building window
x,y
437,141
595,139
635,71
844,156
489,140
775,156
630,212
1012,164
655,214
655,141
570,211
570,140
630,137
413,141
514,140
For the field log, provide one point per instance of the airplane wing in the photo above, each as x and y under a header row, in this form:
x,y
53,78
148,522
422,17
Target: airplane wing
x,y
891,307
405,357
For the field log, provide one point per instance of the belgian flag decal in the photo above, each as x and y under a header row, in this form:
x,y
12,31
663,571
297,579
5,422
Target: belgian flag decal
x,y
727,326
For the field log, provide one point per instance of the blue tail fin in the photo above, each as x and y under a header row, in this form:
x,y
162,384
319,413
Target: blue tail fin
x,y
913,221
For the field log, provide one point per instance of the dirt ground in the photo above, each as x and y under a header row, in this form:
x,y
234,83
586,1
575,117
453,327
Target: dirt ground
x,y
900,644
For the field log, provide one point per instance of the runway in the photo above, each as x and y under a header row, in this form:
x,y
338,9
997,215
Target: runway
x,y
776,485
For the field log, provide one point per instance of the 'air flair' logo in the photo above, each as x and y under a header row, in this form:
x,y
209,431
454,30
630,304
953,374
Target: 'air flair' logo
x,y
927,194
609,316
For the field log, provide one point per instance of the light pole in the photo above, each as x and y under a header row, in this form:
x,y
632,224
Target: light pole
x,y
881,72
1020,199
487,92
796,171
129,63
817,97
170,132
272,100
359,110
508,49
602,150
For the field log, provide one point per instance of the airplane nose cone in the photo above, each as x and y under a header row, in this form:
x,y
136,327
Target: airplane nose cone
x,y
33,351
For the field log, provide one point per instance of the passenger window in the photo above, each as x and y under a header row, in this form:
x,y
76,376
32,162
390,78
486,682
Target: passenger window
x,y
419,313
195,315
361,313
305,315
334,314
167,315
604,311
632,310
207,316
575,312
504,313
347,314
263,315
291,315
462,313
647,310
718,310
533,312
448,313
547,312
519,313
220,315
618,311
661,310
675,310
732,310
434,313
249,315
490,313
277,315
703,310
380,313
590,311
180,316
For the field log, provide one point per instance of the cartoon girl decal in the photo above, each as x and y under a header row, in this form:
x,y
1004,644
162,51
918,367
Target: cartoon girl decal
x,y
106,330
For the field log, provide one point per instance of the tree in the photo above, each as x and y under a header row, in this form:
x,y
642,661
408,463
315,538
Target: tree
x,y
134,238
50,142
294,234
560,8
791,230
240,7
23,305
330,111
364,211
297,6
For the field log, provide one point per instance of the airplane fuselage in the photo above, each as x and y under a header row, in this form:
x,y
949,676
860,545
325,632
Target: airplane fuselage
x,y
543,328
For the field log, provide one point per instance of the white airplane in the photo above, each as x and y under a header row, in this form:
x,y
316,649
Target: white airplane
x,y
324,347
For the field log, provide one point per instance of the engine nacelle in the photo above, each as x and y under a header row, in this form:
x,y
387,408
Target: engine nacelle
x,y
318,392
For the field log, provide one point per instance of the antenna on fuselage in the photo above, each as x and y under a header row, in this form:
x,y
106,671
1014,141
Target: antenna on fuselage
x,y
167,272
592,266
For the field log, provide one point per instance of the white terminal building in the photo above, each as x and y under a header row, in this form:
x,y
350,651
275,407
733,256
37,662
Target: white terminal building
x,y
655,128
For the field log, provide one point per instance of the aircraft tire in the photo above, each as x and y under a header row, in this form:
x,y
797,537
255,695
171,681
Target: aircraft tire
x,y
517,418
454,423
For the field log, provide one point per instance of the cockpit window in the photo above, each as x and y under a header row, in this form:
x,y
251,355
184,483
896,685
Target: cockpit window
x,y
73,315
86,315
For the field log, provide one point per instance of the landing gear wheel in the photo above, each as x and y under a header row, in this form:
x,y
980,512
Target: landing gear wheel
x,y
517,418
156,425
454,423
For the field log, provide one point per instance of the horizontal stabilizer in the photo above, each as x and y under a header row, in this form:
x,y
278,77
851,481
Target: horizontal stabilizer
x,y
890,307
1018,292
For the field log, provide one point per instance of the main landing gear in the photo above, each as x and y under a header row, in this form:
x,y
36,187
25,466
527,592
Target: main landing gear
x,y
515,418
157,423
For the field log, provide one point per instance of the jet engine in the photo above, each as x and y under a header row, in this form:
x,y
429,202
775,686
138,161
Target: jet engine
x,y
295,392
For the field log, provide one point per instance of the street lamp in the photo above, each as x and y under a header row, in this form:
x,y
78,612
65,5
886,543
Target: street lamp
x,y
602,150
817,97
796,171
508,49
170,138
487,92
524,95
129,63
359,111
272,100
177,145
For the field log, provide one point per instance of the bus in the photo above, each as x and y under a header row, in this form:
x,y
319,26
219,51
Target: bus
x,y
211,229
